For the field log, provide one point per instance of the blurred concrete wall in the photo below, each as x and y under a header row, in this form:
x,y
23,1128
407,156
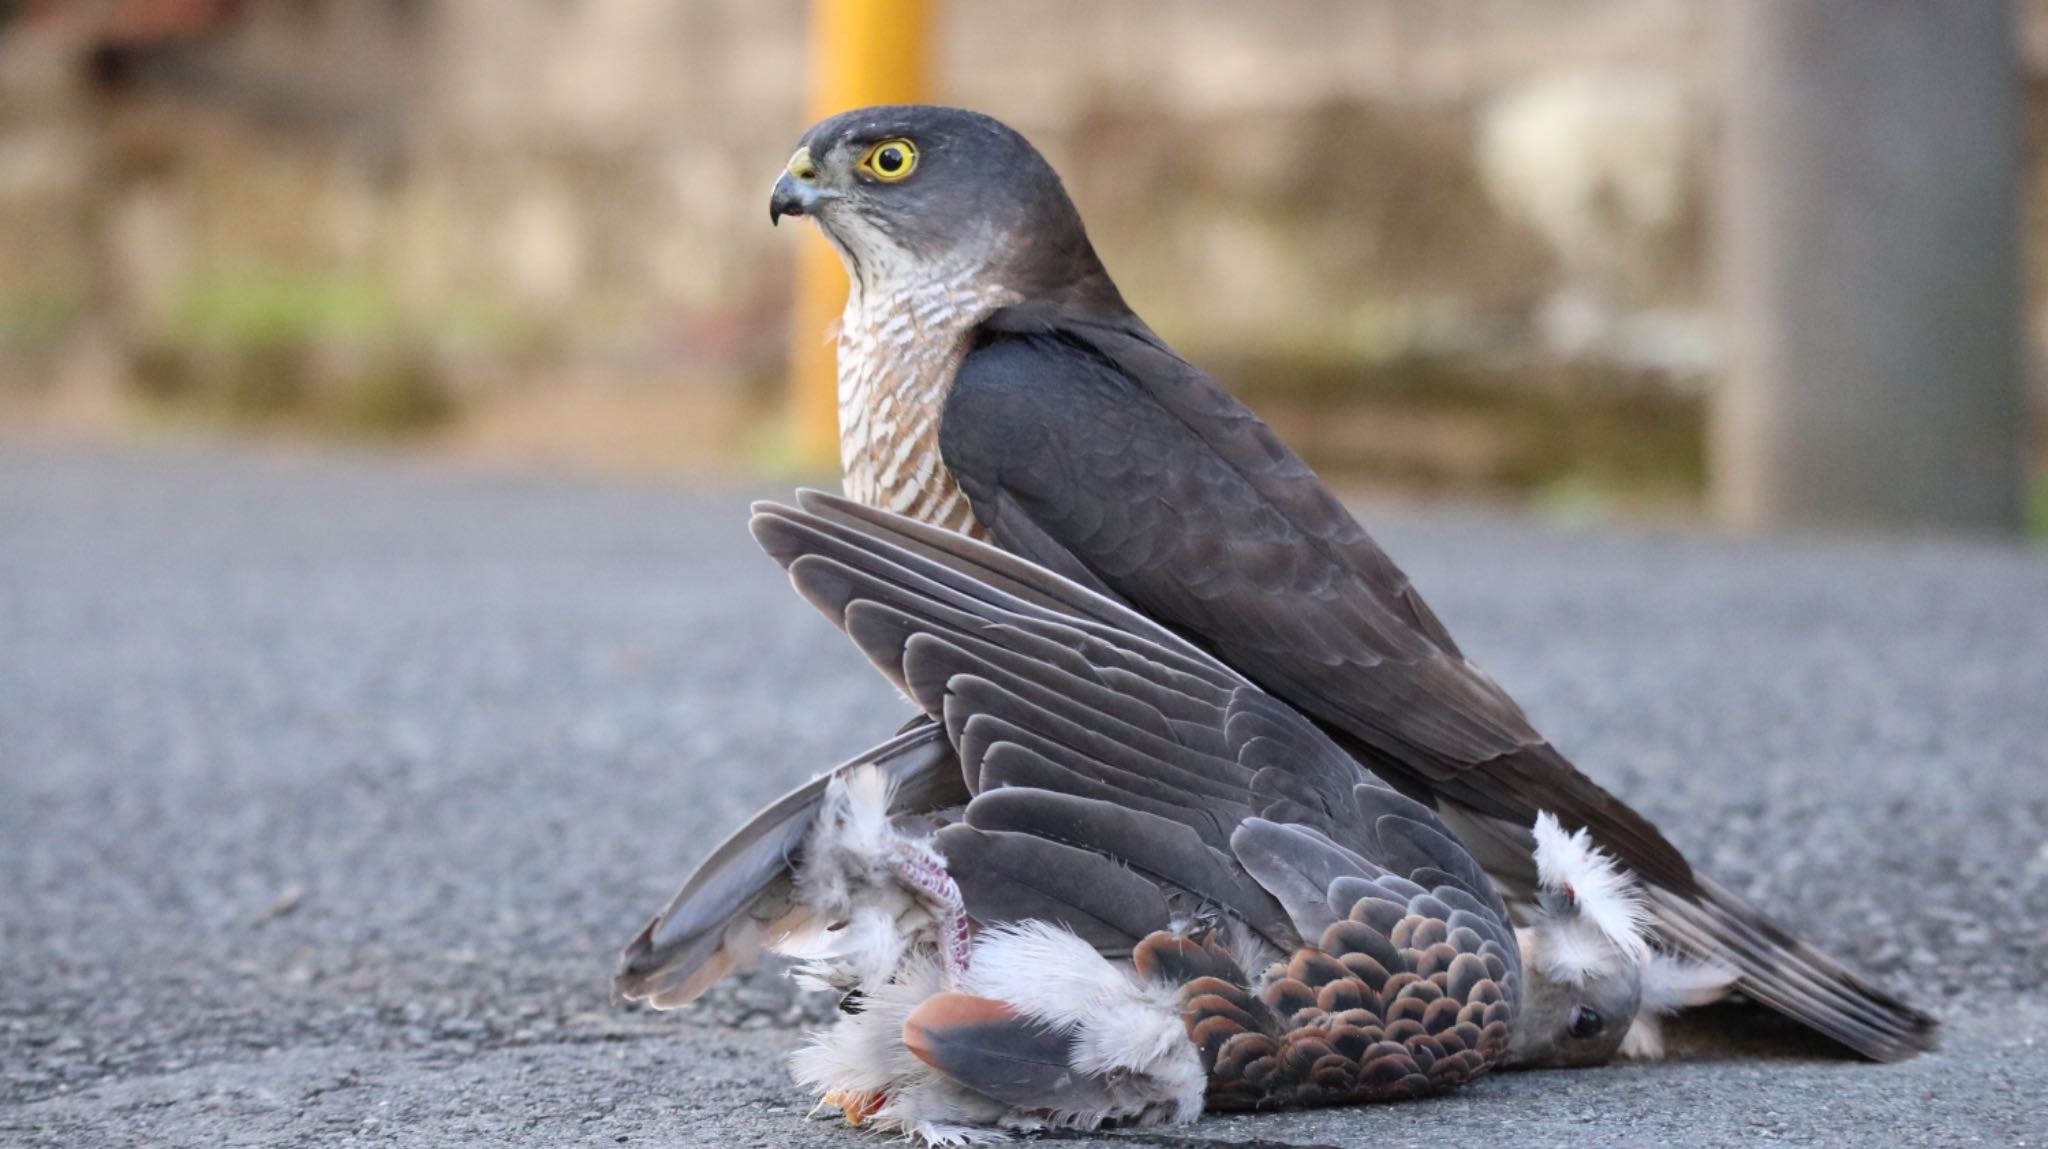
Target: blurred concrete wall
x,y
1870,212
611,150
492,197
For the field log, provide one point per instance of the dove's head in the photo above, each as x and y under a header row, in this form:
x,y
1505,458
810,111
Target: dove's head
x,y
1596,986
1584,953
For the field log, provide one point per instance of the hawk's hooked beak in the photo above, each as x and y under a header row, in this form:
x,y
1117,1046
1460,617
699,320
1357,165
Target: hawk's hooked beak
x,y
797,191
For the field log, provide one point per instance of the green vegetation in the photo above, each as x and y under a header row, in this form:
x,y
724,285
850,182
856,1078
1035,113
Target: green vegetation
x,y
322,352
256,309
35,322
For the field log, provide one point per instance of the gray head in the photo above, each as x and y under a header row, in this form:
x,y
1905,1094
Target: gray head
x,y
1584,953
912,190
1573,1012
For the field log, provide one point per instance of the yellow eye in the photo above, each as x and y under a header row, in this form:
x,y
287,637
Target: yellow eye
x,y
890,160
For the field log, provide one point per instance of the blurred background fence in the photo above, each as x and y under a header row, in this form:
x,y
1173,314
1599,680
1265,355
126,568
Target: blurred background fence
x,y
1444,245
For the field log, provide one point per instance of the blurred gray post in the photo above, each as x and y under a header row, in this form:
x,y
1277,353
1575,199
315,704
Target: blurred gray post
x,y
1871,247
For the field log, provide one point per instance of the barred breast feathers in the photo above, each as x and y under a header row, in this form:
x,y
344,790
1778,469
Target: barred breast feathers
x,y
900,343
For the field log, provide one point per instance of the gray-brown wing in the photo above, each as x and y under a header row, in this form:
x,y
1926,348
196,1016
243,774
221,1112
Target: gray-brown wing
x,y
740,899
1186,506
1092,446
1164,721
1120,740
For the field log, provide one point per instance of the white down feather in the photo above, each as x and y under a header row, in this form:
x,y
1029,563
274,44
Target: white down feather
x,y
1610,926
1125,1028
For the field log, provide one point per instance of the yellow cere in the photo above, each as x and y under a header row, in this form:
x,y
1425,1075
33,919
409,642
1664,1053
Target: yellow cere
x,y
890,160
801,167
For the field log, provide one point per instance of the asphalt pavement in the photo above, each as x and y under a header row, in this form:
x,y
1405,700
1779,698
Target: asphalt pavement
x,y
330,788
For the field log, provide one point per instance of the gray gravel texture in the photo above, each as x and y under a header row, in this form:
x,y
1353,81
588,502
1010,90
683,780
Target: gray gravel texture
x,y
330,787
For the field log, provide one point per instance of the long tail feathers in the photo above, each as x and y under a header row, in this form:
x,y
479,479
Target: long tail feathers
x,y
740,899
1785,974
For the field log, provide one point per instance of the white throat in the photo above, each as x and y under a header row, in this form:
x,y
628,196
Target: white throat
x,y
901,339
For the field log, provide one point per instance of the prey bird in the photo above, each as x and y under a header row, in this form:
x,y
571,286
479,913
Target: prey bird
x,y
992,380
1105,878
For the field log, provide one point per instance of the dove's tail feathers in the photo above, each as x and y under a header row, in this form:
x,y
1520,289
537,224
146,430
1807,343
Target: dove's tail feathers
x,y
1136,1068
966,578
1043,1033
742,898
1779,971
978,565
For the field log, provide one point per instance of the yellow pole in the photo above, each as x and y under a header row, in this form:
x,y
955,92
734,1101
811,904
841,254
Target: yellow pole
x,y
862,52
